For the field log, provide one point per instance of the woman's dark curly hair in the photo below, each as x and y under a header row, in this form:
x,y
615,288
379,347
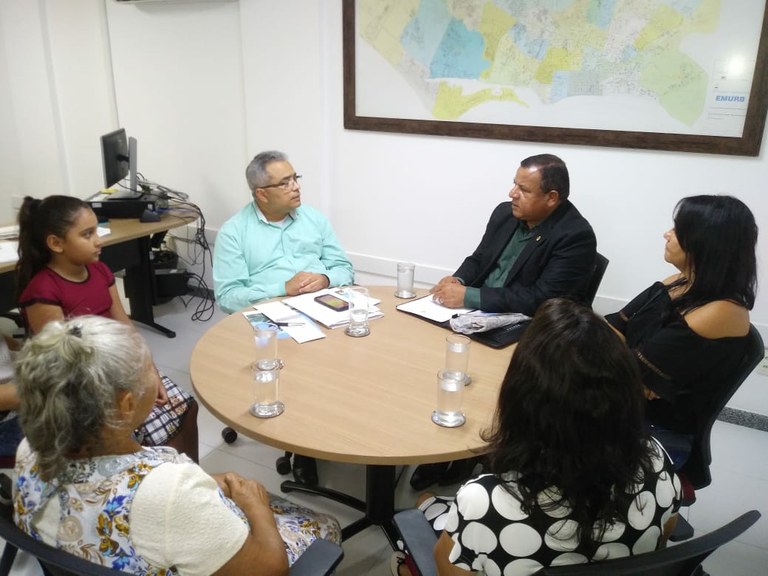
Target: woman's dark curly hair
x,y
570,415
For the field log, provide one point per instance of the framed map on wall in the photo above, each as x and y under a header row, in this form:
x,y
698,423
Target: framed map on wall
x,y
687,75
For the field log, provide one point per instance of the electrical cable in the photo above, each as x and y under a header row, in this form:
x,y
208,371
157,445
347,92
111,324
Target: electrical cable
x,y
205,308
178,203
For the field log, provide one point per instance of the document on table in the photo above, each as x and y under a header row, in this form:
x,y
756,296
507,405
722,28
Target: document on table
x,y
298,326
9,232
427,308
259,320
331,318
9,251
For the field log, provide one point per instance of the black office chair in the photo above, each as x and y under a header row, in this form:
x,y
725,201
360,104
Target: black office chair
x,y
320,559
681,560
601,264
695,474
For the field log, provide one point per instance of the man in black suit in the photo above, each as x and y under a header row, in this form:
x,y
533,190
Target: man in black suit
x,y
536,247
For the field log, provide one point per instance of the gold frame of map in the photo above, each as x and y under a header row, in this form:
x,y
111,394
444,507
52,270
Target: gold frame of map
x,y
746,145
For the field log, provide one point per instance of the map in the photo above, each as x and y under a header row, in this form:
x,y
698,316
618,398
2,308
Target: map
x,y
682,66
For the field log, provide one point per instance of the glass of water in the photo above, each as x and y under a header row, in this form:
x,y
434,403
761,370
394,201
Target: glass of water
x,y
266,348
359,305
266,389
457,356
450,395
405,280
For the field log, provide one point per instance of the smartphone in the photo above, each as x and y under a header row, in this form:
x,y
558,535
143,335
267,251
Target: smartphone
x,y
332,302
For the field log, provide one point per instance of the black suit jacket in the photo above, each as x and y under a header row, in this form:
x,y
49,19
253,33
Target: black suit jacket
x,y
557,261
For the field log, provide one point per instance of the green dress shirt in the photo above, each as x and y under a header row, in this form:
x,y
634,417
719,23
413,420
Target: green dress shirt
x,y
504,264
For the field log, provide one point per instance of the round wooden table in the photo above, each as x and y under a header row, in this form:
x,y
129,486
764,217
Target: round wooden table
x,y
360,400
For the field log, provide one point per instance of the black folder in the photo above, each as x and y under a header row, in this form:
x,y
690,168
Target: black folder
x,y
500,337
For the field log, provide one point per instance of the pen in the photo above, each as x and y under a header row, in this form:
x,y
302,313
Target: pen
x,y
288,323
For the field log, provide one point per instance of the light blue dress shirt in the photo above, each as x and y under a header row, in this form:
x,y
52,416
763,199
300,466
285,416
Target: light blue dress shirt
x,y
254,258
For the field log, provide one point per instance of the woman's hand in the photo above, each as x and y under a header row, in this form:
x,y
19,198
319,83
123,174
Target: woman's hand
x,y
248,494
264,547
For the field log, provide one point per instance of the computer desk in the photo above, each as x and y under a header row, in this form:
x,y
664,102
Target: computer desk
x,y
359,400
128,248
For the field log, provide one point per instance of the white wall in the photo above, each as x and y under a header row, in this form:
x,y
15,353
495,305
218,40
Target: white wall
x,y
205,85
179,87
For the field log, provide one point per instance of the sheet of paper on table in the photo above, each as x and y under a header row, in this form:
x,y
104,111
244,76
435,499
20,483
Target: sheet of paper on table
x,y
9,251
299,327
427,308
9,232
259,320
331,318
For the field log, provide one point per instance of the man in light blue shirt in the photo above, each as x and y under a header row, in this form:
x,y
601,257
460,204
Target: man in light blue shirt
x,y
274,246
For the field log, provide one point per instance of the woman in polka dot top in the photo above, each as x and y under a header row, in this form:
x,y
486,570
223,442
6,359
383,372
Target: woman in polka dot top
x,y
573,476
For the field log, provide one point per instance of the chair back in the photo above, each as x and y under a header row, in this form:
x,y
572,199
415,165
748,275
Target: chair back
x,y
601,263
696,468
679,560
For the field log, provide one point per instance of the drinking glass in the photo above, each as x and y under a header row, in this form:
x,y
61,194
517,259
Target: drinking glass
x,y
266,387
457,356
450,394
405,280
266,348
357,296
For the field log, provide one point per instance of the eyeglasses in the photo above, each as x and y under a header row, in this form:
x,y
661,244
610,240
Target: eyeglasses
x,y
286,183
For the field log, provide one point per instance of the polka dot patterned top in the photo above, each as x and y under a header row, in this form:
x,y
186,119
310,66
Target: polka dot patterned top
x,y
492,534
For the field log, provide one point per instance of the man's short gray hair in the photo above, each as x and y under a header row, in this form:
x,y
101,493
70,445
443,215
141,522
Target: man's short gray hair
x,y
256,172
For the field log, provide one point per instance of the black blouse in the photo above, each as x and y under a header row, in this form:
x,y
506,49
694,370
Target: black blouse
x,y
679,365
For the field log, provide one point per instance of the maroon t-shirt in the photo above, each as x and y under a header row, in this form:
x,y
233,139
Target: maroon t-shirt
x,y
90,296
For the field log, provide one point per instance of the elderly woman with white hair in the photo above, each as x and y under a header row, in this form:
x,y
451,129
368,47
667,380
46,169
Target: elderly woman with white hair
x,y
84,484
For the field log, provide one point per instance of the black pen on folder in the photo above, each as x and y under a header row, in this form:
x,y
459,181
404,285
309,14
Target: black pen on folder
x,y
288,323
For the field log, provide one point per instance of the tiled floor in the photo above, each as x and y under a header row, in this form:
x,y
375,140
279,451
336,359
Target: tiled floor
x,y
740,472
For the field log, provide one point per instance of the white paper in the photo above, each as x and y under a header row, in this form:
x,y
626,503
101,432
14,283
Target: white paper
x,y
304,331
331,318
9,251
9,232
426,307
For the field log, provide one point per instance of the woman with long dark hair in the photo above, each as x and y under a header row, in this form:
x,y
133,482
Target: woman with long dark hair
x,y
687,332
573,476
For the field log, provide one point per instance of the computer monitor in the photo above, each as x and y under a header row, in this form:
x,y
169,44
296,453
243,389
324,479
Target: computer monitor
x,y
119,155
